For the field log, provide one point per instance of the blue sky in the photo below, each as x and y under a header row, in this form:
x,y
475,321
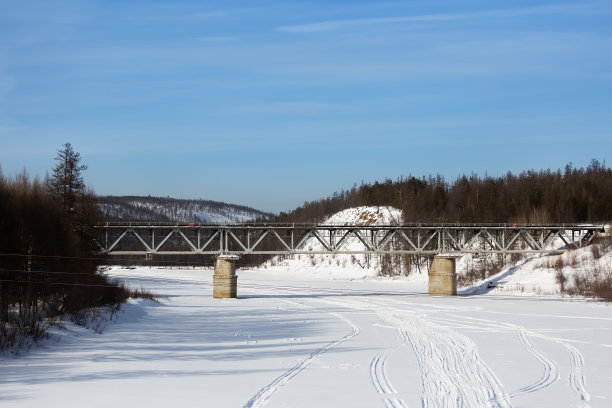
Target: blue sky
x,y
269,104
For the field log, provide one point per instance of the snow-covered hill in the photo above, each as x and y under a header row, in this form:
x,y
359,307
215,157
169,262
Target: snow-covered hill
x,y
161,209
340,266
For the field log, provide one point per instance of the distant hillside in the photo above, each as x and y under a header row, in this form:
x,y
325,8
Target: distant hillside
x,y
166,209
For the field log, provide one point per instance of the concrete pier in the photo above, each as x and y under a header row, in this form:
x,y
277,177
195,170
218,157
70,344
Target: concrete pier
x,y
442,277
225,281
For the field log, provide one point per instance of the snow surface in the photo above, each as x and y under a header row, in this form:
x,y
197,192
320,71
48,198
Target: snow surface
x,y
288,341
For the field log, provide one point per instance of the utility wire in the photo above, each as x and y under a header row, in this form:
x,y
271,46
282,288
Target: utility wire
x,y
50,272
96,258
61,283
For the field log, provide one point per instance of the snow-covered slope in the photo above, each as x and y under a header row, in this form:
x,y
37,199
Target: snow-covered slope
x,y
543,274
161,209
342,266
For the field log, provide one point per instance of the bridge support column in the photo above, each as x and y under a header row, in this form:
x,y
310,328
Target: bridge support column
x,y
442,277
225,281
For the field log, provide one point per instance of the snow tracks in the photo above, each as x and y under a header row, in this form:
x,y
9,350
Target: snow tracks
x,y
261,398
550,368
452,373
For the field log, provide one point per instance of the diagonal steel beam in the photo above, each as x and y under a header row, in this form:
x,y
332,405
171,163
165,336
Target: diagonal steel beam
x,y
211,239
149,249
282,241
408,240
261,238
164,240
117,241
193,247
235,238
361,238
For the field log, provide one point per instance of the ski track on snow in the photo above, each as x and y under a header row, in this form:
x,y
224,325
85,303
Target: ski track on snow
x,y
378,365
263,396
378,374
380,379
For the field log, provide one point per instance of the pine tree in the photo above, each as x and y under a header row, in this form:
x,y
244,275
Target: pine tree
x,y
66,182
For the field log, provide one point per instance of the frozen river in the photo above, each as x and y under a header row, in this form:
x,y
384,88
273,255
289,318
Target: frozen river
x,y
297,342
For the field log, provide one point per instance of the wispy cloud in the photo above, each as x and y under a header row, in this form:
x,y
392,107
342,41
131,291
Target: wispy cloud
x,y
279,108
211,15
342,24
216,39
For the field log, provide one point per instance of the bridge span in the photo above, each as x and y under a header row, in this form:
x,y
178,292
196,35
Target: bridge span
x,y
444,242
286,239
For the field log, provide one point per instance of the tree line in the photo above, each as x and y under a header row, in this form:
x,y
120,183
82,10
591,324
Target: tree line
x,y
563,196
48,263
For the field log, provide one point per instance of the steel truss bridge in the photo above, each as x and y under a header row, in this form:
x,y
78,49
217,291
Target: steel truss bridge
x,y
150,239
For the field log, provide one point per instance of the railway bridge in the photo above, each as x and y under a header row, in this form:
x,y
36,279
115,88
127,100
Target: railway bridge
x,y
443,242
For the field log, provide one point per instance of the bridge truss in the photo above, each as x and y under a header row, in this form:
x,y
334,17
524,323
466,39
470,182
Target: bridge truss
x,y
149,239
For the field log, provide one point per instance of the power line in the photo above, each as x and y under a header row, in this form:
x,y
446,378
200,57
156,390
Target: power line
x,y
99,258
50,272
63,284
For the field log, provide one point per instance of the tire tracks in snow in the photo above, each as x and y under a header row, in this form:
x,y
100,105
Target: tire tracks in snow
x,y
551,371
551,374
576,378
452,373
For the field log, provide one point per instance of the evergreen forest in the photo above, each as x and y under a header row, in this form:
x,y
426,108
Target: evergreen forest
x,y
570,195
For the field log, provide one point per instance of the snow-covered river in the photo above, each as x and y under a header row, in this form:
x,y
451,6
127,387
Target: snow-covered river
x,y
289,341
